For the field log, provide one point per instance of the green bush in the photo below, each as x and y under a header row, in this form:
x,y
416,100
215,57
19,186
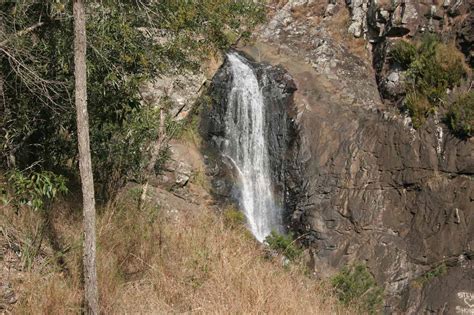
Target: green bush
x,y
432,67
355,285
403,53
233,218
284,244
460,117
418,107
36,189
434,273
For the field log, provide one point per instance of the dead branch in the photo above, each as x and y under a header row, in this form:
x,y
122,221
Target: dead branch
x,y
22,32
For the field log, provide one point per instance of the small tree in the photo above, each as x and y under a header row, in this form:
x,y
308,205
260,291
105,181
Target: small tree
x,y
284,244
85,164
355,285
36,190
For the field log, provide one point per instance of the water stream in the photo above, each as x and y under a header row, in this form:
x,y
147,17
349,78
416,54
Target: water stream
x,y
246,146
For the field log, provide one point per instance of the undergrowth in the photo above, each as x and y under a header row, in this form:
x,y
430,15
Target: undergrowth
x,y
160,260
233,218
432,68
354,285
284,244
460,117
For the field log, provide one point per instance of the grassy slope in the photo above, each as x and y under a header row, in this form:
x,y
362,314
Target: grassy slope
x,y
174,257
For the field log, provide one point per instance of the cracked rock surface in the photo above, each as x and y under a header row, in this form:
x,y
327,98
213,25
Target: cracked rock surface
x,y
366,186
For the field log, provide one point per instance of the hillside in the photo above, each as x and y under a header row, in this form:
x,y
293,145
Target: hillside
x,y
181,254
247,157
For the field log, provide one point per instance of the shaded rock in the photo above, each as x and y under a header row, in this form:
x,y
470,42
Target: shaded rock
x,y
181,91
184,161
394,86
277,88
465,36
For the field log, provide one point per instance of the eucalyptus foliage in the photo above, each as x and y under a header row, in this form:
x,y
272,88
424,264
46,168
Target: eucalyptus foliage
x,y
129,42
36,189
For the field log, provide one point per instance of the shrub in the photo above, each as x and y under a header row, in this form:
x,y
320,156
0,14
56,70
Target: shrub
x,y
35,189
355,285
233,218
283,244
418,107
460,117
432,68
403,53
434,273
451,64
436,68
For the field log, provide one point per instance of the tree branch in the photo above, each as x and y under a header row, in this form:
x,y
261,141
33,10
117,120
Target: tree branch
x,y
22,32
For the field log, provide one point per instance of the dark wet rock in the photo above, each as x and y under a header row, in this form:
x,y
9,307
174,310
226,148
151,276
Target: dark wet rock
x,y
277,88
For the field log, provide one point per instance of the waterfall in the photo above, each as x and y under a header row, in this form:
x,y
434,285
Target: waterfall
x,y
246,146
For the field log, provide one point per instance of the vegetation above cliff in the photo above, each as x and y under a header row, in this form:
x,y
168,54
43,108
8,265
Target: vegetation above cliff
x,y
433,69
460,117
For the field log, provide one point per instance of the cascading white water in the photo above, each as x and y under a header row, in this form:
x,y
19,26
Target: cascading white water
x,y
246,146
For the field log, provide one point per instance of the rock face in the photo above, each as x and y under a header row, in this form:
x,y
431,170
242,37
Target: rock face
x,y
362,184
384,22
277,89
180,91
378,19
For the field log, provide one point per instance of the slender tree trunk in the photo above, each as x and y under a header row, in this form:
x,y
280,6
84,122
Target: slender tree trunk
x,y
155,153
4,115
85,164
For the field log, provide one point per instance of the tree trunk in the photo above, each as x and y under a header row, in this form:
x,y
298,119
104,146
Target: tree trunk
x,y
85,164
3,109
155,153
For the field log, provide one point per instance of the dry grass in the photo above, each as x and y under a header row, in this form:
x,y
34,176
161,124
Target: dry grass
x,y
338,25
313,10
277,4
162,261
41,284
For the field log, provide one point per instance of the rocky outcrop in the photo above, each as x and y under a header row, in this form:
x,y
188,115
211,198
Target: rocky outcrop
x,y
384,22
365,185
376,20
180,91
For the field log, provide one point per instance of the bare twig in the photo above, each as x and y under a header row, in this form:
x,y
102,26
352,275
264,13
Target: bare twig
x,y
155,152
44,89
22,32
